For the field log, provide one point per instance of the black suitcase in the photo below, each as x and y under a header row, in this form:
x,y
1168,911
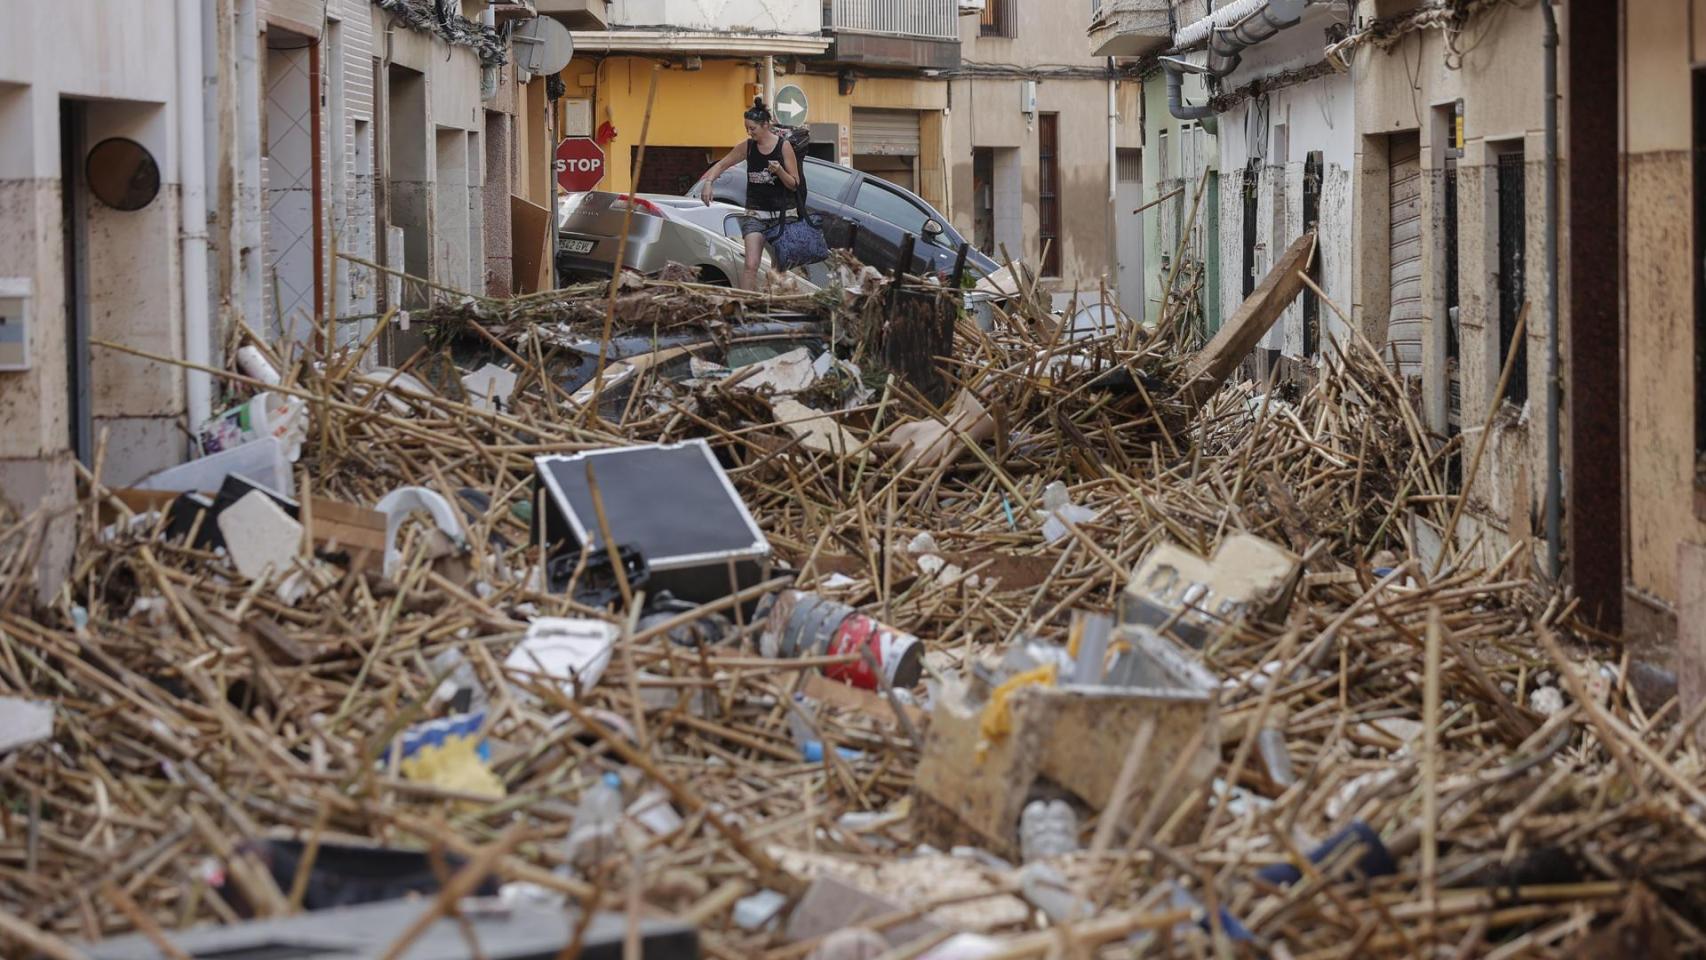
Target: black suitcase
x,y
671,503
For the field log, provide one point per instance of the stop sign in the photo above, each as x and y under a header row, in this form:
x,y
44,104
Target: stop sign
x,y
580,164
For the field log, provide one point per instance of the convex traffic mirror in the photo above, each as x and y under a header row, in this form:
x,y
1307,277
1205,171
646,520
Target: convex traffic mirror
x,y
122,174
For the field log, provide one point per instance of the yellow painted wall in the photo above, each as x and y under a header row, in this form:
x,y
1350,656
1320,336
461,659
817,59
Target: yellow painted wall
x,y
703,108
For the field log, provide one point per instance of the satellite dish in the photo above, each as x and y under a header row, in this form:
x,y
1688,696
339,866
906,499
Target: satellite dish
x,y
543,46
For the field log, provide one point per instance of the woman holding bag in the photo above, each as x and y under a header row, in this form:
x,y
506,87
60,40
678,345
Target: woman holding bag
x,y
772,182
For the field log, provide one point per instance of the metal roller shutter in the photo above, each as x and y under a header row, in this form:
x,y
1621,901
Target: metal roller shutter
x,y
1404,328
887,133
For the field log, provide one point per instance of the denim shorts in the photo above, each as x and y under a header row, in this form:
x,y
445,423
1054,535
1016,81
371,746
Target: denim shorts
x,y
760,221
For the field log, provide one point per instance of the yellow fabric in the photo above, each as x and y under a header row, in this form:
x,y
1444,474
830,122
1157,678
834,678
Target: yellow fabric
x,y
453,766
997,719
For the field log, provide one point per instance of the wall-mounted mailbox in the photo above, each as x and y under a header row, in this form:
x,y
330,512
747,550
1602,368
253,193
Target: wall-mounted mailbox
x,y
14,324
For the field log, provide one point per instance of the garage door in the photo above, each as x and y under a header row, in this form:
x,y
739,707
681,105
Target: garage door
x,y
885,133
1404,328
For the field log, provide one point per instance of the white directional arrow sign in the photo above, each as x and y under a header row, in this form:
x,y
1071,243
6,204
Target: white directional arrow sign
x,y
791,106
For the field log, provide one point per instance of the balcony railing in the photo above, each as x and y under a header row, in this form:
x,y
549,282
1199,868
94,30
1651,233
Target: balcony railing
x,y
928,19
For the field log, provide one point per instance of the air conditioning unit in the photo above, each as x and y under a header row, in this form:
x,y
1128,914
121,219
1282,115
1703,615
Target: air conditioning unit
x,y
970,8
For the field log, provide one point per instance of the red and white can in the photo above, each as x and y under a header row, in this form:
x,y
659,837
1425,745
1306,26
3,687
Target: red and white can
x,y
899,656
804,624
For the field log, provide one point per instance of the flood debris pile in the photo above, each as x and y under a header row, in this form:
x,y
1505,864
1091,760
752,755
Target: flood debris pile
x,y
1039,646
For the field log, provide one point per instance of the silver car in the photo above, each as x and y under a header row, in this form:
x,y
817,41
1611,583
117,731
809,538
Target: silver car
x,y
589,226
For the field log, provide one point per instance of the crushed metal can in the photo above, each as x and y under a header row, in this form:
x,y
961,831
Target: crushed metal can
x,y
800,624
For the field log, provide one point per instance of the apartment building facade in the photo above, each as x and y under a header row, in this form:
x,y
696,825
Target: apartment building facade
x,y
862,78
281,149
1045,145
1417,155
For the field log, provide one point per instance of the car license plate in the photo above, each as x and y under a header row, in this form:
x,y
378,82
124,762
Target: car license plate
x,y
579,246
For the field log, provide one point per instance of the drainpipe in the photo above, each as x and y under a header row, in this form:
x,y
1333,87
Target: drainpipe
x,y
1175,69
1554,392
192,210
1113,169
770,81
1226,44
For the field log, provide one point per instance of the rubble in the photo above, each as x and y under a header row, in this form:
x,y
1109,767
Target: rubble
x,y
1244,777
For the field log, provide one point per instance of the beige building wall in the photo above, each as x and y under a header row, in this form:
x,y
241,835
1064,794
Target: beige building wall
x,y
984,111
1500,81
1663,480
110,65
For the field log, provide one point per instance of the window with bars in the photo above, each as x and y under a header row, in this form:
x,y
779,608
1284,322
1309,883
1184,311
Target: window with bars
x,y
1048,191
1312,173
998,19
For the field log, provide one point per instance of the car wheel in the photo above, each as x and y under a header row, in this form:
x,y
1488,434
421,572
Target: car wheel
x,y
714,277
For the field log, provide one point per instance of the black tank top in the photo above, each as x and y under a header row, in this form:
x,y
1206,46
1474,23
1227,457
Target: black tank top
x,y
765,190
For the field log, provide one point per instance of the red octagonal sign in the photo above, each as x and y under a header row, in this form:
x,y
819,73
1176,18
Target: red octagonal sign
x,y
580,164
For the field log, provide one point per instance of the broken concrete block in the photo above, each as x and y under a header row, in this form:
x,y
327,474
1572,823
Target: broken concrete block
x,y
23,722
972,790
1246,576
261,538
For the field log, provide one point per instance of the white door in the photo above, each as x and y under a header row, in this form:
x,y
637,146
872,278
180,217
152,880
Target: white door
x,y
1128,232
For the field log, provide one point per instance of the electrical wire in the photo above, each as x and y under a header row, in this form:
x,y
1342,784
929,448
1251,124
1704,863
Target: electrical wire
x,y
971,69
1453,17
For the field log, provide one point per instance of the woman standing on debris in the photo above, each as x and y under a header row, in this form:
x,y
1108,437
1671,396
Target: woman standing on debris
x,y
772,176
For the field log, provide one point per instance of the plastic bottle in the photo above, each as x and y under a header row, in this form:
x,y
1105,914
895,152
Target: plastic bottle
x,y
799,624
254,364
264,415
811,748
1047,828
598,818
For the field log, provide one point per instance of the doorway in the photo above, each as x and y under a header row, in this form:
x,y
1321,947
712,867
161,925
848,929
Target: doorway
x,y
886,144
983,199
1404,238
75,211
292,163
1512,275
1128,230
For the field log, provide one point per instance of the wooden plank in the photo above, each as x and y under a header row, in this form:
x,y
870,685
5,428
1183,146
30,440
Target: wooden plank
x,y
530,226
1239,335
